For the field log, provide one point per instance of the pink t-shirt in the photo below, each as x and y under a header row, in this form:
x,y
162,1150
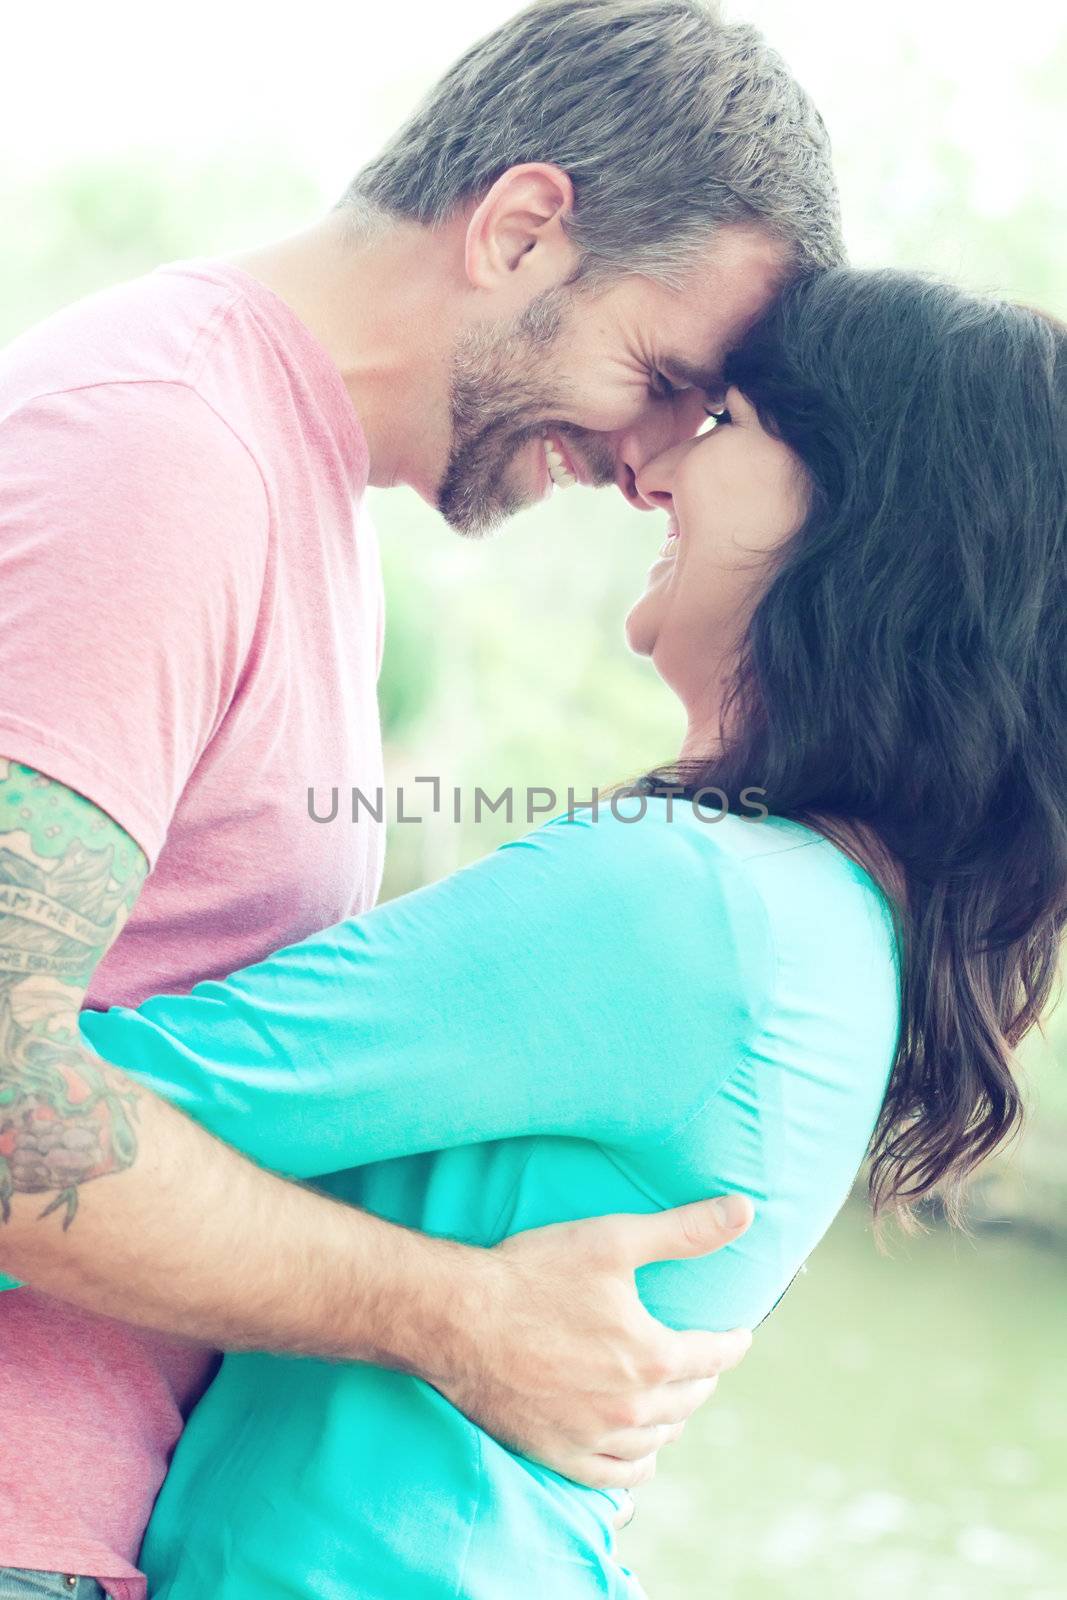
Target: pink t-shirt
x,y
192,629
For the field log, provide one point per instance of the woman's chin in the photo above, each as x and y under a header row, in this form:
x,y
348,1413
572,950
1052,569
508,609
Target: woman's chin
x,y
641,628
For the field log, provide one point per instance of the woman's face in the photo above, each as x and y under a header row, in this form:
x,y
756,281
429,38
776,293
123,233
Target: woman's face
x,y
735,495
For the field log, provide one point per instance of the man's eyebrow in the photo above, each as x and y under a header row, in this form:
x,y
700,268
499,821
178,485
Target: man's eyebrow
x,y
695,377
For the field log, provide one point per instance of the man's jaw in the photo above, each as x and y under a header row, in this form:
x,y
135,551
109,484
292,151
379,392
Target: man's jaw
x,y
479,491
482,491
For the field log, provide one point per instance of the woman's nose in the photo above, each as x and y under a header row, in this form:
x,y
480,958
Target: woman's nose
x,y
653,499
654,482
647,452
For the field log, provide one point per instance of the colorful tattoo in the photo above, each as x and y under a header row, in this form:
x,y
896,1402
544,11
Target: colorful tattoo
x,y
69,877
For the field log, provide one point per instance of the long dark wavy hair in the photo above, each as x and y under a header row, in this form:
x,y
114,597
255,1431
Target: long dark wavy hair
x,y
902,687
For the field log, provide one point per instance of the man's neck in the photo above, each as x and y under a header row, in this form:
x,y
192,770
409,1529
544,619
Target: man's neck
x,y
371,296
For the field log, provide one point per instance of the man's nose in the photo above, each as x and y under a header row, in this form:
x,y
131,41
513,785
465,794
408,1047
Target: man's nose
x,y
664,424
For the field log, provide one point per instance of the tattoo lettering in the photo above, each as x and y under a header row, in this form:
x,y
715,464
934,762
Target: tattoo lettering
x,y
68,879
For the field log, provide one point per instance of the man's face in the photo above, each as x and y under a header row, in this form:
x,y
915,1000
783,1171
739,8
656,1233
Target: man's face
x,y
589,386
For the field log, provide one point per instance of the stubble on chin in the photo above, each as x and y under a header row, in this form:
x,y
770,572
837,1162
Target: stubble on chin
x,y
477,494
503,386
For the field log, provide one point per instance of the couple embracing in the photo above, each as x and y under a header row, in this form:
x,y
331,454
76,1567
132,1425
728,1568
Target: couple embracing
x,y
480,1190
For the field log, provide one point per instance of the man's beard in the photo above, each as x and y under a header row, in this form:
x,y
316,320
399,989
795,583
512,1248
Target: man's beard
x,y
502,392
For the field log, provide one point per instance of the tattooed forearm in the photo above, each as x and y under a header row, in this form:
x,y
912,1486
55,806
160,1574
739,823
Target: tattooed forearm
x,y
69,877
63,1122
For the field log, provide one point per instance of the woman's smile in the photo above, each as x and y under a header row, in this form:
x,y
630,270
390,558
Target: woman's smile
x,y
734,494
669,548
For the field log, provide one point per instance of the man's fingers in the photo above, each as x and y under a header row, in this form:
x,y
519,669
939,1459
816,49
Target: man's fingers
x,y
699,1355
668,1410
625,1514
692,1230
676,1402
608,1472
632,1444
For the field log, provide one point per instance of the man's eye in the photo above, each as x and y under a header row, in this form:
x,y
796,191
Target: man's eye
x,y
661,387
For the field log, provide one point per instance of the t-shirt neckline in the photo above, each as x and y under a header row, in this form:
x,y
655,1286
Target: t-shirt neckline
x,y
308,351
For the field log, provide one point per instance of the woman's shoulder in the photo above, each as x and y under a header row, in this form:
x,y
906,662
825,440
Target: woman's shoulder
x,y
640,840
639,853
759,893
633,902
831,929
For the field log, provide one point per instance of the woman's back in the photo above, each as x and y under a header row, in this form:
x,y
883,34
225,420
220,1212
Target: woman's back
x,y
600,1017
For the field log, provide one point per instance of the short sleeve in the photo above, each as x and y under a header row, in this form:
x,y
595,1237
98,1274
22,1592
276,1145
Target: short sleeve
x,y
133,529
592,980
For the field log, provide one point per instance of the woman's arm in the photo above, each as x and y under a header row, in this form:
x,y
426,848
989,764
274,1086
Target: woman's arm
x,y
594,979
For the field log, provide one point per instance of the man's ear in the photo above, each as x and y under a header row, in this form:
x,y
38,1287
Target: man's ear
x,y
517,232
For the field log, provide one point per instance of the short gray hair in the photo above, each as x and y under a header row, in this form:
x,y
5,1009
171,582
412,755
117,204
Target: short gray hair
x,y
668,120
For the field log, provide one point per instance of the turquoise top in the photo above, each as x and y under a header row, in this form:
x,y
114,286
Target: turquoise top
x,y
602,1016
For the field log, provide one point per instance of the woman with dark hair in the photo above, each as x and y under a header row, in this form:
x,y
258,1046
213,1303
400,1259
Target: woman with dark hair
x,y
902,684
822,928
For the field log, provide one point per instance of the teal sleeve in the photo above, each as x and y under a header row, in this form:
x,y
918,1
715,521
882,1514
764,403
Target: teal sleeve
x,y
593,979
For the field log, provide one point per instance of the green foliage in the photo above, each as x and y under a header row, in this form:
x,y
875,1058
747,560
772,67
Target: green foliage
x,y
897,1431
411,662
98,222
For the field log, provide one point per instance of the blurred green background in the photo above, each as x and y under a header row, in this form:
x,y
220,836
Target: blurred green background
x,y
901,1426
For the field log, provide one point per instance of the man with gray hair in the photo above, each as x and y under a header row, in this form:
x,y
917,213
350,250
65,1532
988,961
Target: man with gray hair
x,y
534,284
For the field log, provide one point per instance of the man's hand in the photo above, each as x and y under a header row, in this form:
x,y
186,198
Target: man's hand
x,y
561,1361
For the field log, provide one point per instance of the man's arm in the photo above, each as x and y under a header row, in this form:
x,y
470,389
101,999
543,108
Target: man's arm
x,y
108,1197
115,1201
